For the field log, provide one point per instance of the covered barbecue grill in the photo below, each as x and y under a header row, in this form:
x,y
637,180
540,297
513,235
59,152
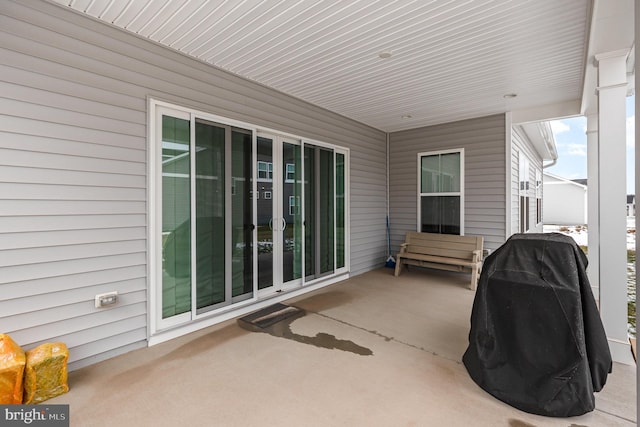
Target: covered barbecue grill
x,y
537,340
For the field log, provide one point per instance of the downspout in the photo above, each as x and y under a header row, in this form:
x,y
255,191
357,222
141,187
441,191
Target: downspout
x,y
387,200
387,136
550,143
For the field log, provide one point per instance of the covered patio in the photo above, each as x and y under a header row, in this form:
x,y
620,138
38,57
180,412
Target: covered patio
x,y
130,124
373,350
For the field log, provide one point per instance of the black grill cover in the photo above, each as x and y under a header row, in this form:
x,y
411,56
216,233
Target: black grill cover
x,y
536,340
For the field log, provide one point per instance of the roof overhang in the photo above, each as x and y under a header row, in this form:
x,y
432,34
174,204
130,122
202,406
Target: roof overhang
x,y
541,137
391,65
611,29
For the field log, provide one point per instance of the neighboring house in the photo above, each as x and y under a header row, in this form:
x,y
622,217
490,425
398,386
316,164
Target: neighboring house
x,y
199,195
631,205
565,201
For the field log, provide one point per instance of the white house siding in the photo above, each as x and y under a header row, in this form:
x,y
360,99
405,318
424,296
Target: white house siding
x,y
515,197
73,172
521,147
483,140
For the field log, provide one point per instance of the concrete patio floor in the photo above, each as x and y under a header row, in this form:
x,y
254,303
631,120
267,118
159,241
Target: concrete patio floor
x,y
397,363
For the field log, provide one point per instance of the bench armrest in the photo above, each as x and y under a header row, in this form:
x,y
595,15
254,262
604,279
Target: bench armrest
x,y
477,255
403,248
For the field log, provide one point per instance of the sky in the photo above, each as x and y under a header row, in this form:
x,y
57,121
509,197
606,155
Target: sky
x,y
571,143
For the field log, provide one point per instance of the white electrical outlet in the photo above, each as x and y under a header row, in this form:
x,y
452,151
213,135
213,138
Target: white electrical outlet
x,y
109,298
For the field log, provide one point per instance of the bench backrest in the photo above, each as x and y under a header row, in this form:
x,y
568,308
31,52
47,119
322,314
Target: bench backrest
x,y
446,245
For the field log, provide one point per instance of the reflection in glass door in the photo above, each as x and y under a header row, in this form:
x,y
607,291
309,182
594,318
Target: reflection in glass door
x,y
176,216
340,211
210,208
324,211
239,212
291,212
264,202
206,216
278,200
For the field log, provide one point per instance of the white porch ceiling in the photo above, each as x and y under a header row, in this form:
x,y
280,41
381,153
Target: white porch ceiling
x,y
451,59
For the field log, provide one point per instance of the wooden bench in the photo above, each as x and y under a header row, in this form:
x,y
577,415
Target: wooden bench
x,y
442,251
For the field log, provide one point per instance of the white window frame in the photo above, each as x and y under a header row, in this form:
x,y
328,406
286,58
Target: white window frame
x,y
294,205
455,193
160,330
268,168
292,172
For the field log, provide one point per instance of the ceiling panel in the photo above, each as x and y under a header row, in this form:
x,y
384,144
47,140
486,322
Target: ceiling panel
x,y
450,60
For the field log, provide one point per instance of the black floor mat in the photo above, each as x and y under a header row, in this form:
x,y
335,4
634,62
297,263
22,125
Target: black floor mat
x,y
269,316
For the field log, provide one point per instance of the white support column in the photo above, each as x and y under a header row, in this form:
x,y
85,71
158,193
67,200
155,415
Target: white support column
x,y
593,222
612,178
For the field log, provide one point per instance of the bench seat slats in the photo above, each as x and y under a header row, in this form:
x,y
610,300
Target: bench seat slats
x,y
442,259
445,251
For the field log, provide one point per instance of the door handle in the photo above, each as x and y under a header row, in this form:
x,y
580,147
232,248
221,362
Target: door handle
x,y
284,224
271,224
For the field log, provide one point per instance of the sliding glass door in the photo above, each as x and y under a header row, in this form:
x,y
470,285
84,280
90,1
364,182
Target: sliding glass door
x,y
291,212
324,214
206,215
278,197
176,216
209,214
241,214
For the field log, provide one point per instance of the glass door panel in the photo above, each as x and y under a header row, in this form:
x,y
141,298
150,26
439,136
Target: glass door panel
x,y
291,230
326,215
310,213
319,198
264,195
210,210
226,232
279,214
241,214
340,211
176,217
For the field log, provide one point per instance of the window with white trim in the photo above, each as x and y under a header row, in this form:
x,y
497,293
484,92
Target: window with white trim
x,y
290,172
294,205
441,192
265,171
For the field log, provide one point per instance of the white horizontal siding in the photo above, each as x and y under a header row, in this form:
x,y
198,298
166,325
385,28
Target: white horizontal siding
x,y
14,207
20,224
32,271
46,316
73,171
48,238
20,191
46,144
483,140
522,147
44,160
515,188
15,174
73,281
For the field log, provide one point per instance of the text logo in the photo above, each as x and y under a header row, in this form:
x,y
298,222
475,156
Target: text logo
x,y
34,415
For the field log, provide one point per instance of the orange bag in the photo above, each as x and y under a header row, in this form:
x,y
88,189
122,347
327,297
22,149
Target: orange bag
x,y
46,372
12,363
